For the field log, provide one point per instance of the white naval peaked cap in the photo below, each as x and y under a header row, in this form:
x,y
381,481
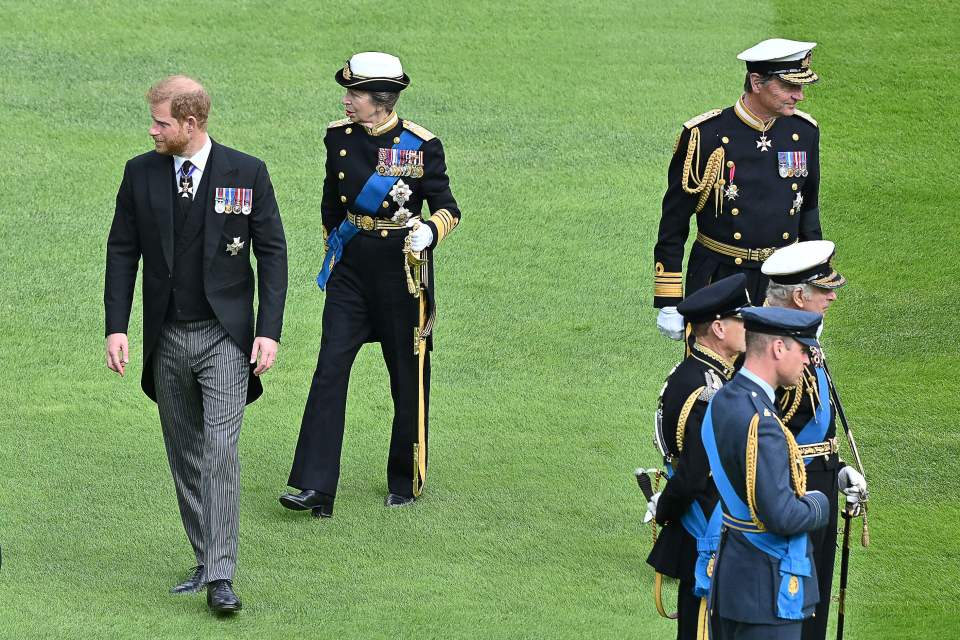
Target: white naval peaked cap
x,y
373,71
375,64
804,263
777,50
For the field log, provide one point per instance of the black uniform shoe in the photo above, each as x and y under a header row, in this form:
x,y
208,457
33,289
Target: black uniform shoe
x,y
397,500
320,504
193,584
221,598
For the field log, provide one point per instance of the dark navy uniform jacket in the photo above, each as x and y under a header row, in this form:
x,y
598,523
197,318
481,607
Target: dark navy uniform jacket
x,y
684,402
766,212
353,153
747,580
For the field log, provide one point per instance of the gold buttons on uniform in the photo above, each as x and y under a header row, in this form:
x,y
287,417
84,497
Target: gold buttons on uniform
x,y
735,212
738,260
794,186
341,175
386,205
343,152
349,130
795,137
725,139
343,198
383,233
737,236
786,236
729,164
396,140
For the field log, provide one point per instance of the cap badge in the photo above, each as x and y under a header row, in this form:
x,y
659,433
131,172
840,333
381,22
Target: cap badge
x,y
346,71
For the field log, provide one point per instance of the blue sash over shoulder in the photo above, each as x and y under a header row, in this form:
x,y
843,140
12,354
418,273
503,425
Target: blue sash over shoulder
x,y
816,429
790,551
368,202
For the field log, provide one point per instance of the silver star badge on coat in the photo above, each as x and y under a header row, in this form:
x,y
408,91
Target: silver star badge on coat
x,y
764,143
798,201
234,247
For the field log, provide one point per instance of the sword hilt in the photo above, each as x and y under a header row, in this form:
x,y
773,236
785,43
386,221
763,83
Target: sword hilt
x,y
643,481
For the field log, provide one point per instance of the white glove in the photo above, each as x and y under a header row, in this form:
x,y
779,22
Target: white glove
x,y
853,485
422,235
652,507
671,323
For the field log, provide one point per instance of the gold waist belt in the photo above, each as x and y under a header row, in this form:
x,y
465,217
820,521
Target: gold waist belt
x,y
825,448
369,223
754,255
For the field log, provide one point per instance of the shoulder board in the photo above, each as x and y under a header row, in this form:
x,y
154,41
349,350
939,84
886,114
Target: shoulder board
x,y
339,123
713,385
806,116
418,131
703,117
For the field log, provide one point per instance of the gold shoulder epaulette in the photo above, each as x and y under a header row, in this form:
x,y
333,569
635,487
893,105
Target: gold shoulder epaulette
x,y
418,131
339,123
703,117
806,116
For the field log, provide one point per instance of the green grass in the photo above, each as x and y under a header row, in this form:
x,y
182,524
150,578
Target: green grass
x,y
558,120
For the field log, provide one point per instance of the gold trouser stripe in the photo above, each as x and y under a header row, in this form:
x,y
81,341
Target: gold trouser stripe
x,y
658,597
420,470
703,621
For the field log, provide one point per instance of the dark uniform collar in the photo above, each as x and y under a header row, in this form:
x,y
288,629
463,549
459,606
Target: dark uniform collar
x,y
750,119
385,126
710,357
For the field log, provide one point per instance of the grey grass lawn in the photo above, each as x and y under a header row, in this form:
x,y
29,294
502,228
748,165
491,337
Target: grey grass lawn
x,y
558,119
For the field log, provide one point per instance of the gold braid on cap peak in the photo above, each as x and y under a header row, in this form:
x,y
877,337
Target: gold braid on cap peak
x,y
798,471
692,183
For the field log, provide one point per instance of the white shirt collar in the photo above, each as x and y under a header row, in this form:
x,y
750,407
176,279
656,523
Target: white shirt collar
x,y
750,375
199,159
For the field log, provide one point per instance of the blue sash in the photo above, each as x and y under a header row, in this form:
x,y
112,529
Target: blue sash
x,y
816,429
790,551
706,533
368,202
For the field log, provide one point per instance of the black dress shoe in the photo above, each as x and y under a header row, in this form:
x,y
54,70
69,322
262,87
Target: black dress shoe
x,y
321,504
195,583
221,598
397,500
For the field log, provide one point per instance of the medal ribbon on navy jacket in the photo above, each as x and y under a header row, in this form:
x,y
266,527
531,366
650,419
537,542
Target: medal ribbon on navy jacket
x,y
791,551
367,201
377,186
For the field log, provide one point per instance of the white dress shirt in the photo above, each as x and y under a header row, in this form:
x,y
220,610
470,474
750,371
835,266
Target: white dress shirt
x,y
199,160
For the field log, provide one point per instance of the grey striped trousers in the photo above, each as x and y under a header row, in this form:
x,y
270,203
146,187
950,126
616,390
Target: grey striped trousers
x,y
201,376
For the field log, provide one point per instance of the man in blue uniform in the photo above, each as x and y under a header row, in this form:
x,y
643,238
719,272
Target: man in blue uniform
x,y
687,507
764,582
750,174
802,277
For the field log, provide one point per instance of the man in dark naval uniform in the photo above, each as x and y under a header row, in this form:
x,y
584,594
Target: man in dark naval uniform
x,y
802,277
687,507
750,174
378,275
765,583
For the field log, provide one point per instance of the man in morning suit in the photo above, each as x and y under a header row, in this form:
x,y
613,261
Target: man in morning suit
x,y
764,582
750,174
194,210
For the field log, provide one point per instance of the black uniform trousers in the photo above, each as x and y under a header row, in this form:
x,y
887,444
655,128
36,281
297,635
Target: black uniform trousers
x,y
367,301
824,541
706,267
